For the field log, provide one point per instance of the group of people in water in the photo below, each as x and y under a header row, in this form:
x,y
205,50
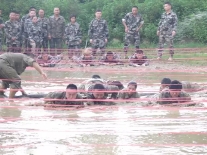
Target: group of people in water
x,y
94,91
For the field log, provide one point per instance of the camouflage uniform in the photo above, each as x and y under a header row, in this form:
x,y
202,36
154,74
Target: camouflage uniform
x,y
44,24
132,22
116,59
1,33
25,41
86,60
167,24
165,96
91,96
98,32
13,30
51,62
56,31
109,89
192,87
61,99
133,60
11,66
125,95
73,37
35,37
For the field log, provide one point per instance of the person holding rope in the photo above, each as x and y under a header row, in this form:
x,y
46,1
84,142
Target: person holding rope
x,y
11,66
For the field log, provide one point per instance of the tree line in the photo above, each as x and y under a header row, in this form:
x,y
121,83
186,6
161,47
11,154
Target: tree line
x,y
191,15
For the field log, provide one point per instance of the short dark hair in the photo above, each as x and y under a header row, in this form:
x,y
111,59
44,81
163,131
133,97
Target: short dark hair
x,y
17,12
132,83
12,11
99,87
46,52
116,83
168,3
32,8
166,81
109,53
135,7
72,86
98,10
139,51
71,16
176,85
96,76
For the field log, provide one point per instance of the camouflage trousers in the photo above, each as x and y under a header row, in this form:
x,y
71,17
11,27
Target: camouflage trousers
x,y
26,43
98,43
1,40
0,44
168,39
74,50
56,44
131,37
14,48
35,48
44,44
9,76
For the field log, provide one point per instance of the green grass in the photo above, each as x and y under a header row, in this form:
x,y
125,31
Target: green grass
x,y
182,57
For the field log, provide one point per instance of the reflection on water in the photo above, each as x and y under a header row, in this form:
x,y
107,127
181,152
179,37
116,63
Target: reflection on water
x,y
103,131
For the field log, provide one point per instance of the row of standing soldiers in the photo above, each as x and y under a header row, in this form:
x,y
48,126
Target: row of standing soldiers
x,y
35,32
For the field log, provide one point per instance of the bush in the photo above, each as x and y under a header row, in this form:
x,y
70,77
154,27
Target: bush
x,y
191,23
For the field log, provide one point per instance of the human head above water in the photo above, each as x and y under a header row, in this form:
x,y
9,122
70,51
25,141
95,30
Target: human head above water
x,y
71,91
175,88
95,76
131,87
99,91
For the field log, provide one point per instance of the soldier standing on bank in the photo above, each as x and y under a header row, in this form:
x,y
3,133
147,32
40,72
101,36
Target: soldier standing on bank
x,y
73,37
56,32
35,36
167,30
44,24
13,34
98,33
1,30
18,20
132,22
25,41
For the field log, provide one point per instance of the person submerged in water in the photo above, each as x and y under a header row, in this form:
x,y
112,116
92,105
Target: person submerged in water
x,y
129,92
175,94
165,84
98,96
67,97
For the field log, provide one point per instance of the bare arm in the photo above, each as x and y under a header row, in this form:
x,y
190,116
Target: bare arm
x,y
38,68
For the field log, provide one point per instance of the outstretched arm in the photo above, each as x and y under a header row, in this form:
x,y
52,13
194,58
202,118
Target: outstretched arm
x,y
38,68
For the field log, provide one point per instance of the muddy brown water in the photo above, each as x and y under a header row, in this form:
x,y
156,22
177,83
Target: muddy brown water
x,y
128,129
